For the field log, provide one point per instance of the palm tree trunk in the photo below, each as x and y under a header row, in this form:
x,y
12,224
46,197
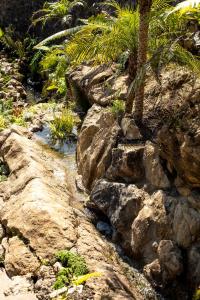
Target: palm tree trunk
x,y
144,10
132,71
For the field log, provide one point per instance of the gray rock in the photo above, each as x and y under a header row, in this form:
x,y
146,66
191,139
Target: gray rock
x,y
186,223
104,228
170,259
127,164
194,265
120,203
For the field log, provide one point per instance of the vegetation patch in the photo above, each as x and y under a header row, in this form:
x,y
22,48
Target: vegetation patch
x,y
118,107
74,266
62,126
10,114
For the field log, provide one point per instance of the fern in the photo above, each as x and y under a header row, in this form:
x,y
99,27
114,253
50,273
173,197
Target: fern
x,y
52,10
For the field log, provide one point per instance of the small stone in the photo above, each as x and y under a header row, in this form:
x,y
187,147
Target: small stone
x,y
57,267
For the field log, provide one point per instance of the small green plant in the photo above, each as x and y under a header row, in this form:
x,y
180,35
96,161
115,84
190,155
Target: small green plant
x,y
3,122
118,107
196,295
74,266
61,127
19,120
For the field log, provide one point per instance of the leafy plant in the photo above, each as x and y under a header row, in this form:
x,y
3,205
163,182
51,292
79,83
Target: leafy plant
x,y
196,295
55,10
118,107
61,127
3,122
105,37
55,63
73,266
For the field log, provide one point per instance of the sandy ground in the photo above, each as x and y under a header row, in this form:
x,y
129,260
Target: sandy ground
x,y
5,283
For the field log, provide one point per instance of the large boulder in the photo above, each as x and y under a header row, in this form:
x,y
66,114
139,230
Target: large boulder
x,y
150,226
121,204
98,136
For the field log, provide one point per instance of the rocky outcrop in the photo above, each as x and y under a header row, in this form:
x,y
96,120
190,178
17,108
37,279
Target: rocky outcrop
x,y
97,84
39,215
149,190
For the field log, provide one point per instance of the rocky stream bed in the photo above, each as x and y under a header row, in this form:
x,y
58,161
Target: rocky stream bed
x,y
126,201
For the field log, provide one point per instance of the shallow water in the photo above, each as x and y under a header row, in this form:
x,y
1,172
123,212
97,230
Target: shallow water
x,y
67,150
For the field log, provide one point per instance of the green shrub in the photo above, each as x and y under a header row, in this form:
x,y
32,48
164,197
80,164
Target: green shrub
x,y
196,295
73,261
118,107
3,122
61,127
74,266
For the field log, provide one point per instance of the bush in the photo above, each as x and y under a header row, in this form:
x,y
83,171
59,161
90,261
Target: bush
x,y
74,266
61,127
118,107
3,122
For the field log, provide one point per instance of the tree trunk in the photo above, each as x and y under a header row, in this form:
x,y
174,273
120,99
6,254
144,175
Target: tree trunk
x,y
132,71
144,10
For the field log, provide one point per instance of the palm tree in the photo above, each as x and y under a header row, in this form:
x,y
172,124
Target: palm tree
x,y
144,11
104,38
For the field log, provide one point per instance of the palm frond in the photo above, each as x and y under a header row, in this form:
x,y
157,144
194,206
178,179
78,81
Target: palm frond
x,y
56,36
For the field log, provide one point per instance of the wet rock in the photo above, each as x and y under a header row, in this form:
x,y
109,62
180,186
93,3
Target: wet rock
x,y
19,260
104,228
153,169
170,259
99,132
126,164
